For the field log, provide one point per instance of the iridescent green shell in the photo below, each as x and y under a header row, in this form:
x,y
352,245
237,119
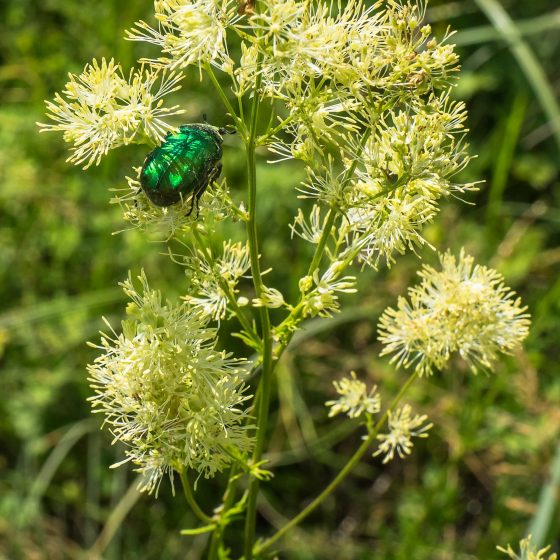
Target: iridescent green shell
x,y
183,166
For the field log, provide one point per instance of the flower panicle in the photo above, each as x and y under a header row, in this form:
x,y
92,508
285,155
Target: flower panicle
x,y
402,428
189,33
167,221
310,230
355,400
167,392
320,292
100,109
462,308
271,298
214,279
528,551
389,84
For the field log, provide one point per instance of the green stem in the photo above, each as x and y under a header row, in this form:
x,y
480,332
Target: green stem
x,y
412,377
262,139
271,132
331,216
215,544
227,501
239,123
240,105
353,461
266,333
187,490
320,249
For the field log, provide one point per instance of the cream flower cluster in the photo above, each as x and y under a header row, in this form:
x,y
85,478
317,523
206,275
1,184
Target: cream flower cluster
x,y
366,94
174,400
406,167
357,402
321,297
359,94
528,551
167,221
100,109
402,428
355,399
462,308
189,32
213,282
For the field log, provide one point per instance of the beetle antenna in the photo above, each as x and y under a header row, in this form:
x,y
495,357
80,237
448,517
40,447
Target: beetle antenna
x,y
204,118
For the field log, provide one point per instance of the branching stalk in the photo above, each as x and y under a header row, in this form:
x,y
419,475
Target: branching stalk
x,y
346,470
189,496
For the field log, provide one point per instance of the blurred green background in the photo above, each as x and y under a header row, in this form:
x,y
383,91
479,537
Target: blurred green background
x,y
491,467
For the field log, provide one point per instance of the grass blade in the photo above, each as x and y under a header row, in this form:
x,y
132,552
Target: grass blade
x,y
527,60
548,499
487,33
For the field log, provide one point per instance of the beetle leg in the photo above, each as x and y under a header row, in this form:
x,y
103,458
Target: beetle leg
x,y
138,191
197,198
214,174
194,202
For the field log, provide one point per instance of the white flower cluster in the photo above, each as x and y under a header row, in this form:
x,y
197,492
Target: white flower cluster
x,y
167,221
364,103
174,400
355,400
405,169
189,32
213,282
402,428
367,109
100,109
361,96
320,292
528,551
463,308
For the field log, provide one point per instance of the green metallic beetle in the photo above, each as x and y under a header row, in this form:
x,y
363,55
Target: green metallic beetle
x,y
184,165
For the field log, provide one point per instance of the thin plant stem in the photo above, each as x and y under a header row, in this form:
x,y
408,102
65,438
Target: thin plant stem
x,y
262,139
215,541
241,110
116,518
320,249
266,334
239,123
227,501
352,462
189,496
331,216
51,465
